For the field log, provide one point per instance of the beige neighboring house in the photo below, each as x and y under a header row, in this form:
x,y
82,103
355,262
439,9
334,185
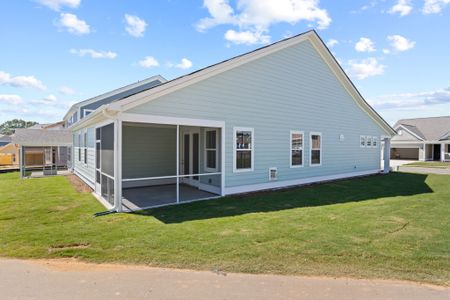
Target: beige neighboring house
x,y
424,139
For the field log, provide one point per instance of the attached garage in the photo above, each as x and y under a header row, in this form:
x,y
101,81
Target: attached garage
x,y
411,153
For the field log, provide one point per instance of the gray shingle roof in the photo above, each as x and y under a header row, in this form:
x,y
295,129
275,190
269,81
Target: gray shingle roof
x,y
42,137
430,129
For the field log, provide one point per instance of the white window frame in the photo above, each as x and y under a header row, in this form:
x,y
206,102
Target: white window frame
x,y
85,111
216,149
85,148
311,149
375,142
369,138
79,146
252,149
302,148
361,137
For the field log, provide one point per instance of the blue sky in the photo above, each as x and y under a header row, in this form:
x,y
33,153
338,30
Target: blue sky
x,y
57,52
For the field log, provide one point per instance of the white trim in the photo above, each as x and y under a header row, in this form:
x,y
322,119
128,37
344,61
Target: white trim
x,y
410,132
311,149
302,148
369,139
87,110
177,159
296,182
375,139
362,145
222,154
102,201
85,148
155,119
205,149
252,148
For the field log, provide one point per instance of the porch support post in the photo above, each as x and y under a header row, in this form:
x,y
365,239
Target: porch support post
x,y
387,155
442,152
222,160
178,163
21,161
118,165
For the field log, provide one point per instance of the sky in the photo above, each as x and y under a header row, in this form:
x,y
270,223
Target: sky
x,y
54,53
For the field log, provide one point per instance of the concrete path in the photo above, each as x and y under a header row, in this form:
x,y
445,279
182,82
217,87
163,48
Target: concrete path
x,y
72,280
424,170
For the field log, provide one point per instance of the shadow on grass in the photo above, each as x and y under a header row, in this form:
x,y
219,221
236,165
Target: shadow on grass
x,y
351,190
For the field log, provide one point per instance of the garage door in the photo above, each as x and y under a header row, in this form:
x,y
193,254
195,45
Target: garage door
x,y
405,153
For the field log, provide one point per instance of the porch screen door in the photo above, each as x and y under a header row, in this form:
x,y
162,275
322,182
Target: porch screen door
x,y
191,151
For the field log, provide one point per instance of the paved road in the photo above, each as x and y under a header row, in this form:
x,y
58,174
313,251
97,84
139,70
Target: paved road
x,y
71,280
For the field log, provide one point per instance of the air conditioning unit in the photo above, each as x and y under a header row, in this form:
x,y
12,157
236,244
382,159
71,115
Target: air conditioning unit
x,y
273,174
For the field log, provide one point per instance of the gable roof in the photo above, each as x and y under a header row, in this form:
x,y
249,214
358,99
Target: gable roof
x,y
429,129
202,74
42,137
120,93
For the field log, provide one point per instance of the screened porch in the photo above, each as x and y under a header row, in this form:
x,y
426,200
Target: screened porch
x,y
160,164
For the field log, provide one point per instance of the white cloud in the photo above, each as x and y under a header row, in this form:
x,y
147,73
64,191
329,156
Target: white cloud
x,y
58,4
365,68
50,99
184,64
411,100
11,99
365,45
135,25
73,24
148,62
93,53
65,90
332,42
257,16
403,8
386,51
246,37
434,6
21,81
400,43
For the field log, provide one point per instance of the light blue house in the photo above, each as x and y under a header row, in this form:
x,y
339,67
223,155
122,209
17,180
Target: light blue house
x,y
282,115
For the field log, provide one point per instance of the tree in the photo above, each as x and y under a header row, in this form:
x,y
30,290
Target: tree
x,y
10,126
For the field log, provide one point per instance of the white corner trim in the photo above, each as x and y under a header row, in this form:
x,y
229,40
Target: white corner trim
x,y
252,149
310,149
290,148
290,183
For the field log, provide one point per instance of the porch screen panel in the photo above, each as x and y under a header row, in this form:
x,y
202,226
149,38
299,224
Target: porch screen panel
x,y
107,149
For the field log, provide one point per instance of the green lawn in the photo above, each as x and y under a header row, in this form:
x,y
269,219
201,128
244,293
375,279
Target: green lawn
x,y
429,164
391,226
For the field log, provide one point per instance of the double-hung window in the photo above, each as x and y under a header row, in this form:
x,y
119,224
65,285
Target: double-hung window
x,y
85,147
316,149
362,141
375,142
79,146
296,155
243,149
211,156
369,142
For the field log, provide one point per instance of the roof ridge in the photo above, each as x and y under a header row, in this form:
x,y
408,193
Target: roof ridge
x,y
423,118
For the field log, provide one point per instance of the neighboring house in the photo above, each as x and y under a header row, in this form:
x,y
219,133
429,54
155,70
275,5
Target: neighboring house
x,y
282,115
422,139
9,155
46,148
4,140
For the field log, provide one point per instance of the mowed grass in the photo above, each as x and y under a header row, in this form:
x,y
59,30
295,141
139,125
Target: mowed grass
x,y
430,164
385,226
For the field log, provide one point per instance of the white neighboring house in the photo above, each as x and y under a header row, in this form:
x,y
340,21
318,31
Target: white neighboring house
x,y
424,139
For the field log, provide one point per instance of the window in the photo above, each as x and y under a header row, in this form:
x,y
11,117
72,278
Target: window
x,y
375,142
79,147
296,149
211,150
362,141
243,149
369,141
316,149
86,112
85,147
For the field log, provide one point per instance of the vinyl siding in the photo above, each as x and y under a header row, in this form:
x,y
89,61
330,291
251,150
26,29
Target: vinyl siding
x,y
292,89
87,171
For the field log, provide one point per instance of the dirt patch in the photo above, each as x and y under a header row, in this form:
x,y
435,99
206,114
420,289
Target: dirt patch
x,y
68,246
78,184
